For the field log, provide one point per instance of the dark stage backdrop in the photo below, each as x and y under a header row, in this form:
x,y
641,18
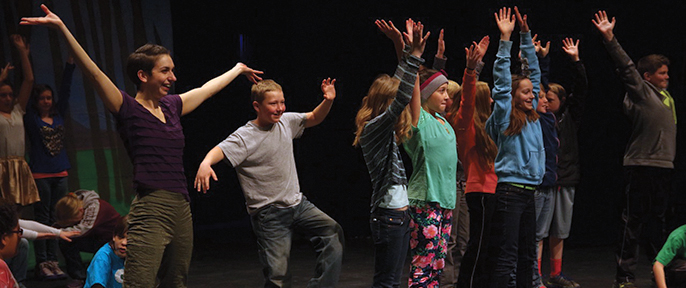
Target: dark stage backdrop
x,y
298,43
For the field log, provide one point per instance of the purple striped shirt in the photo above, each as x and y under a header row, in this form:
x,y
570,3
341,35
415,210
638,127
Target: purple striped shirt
x,y
155,148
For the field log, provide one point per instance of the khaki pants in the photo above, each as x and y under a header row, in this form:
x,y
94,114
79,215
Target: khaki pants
x,y
160,240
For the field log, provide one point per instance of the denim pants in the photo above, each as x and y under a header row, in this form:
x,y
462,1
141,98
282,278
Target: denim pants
x,y
513,245
274,228
647,197
50,191
160,240
474,270
391,235
545,204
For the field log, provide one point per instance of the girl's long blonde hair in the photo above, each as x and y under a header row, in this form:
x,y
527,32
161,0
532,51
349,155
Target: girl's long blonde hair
x,y
486,148
518,117
380,95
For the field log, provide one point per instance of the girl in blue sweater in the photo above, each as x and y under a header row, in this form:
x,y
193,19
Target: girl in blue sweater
x,y
519,164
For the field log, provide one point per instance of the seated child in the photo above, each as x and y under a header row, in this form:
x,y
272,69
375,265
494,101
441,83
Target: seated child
x,y
33,230
107,267
669,268
85,212
9,241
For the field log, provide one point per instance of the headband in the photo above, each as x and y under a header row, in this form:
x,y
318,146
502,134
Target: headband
x,y
430,85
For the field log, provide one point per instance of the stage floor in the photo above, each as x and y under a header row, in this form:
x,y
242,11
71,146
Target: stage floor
x,y
235,264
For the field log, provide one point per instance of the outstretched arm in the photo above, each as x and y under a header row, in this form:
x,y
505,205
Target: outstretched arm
x,y
192,99
626,69
108,92
205,171
388,29
317,115
27,71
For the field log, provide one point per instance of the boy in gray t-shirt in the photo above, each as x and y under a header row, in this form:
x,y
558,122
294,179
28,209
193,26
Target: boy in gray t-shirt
x,y
261,151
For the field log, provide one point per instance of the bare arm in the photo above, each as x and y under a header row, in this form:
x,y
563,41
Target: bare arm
x,y
108,92
659,273
27,71
413,32
205,171
192,99
319,113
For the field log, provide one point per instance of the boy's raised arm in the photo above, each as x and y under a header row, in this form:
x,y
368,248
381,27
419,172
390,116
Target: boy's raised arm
x,y
109,93
317,115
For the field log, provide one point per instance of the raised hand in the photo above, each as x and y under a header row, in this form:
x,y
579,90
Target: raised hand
x,y
571,48
50,19
329,89
604,25
541,50
472,56
483,46
20,43
4,72
249,73
417,42
388,29
409,24
523,24
440,53
505,21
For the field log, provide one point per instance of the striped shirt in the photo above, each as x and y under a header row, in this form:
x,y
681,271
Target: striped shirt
x,y
377,140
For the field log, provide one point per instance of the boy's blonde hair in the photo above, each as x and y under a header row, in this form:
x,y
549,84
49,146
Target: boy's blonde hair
x,y
67,208
260,88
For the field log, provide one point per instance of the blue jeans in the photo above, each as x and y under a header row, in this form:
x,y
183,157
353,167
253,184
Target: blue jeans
x,y
513,245
274,227
50,191
391,235
545,204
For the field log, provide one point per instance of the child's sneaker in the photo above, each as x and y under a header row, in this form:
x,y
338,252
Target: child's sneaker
x,y
43,271
55,268
560,281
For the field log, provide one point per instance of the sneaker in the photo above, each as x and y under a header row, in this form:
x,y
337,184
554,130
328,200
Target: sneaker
x,y
76,283
55,268
623,285
43,271
561,281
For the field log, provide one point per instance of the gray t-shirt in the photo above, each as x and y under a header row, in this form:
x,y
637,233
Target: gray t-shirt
x,y
263,158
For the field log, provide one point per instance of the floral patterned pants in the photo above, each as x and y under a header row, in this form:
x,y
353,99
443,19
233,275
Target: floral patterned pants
x,y
430,230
